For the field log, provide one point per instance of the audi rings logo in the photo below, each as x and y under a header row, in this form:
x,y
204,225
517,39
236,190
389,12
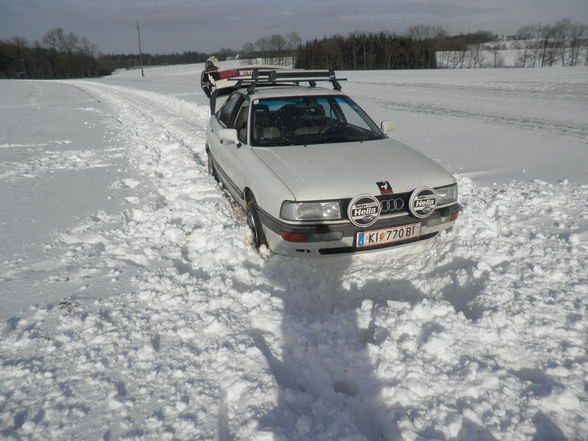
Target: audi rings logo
x,y
363,210
390,205
422,202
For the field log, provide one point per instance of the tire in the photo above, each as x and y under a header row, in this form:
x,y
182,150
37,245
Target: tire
x,y
211,169
255,224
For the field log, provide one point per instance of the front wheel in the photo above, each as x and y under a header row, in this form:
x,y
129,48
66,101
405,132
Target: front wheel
x,y
255,224
211,169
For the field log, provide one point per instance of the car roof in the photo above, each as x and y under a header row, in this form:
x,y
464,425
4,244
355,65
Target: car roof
x,y
289,91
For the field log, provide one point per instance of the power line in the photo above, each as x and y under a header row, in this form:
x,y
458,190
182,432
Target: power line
x,y
140,51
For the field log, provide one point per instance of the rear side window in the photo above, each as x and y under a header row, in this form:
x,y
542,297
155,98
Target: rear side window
x,y
228,110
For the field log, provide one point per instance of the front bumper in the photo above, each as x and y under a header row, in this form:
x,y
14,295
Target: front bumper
x,y
340,237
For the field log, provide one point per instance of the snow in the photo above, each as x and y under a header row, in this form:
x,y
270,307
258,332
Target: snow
x,y
134,306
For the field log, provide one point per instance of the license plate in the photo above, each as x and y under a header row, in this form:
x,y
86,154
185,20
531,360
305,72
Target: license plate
x,y
387,235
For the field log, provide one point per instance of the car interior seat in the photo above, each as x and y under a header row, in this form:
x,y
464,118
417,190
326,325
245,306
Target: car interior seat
x,y
263,123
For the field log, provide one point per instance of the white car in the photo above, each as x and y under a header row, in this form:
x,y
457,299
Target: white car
x,y
317,176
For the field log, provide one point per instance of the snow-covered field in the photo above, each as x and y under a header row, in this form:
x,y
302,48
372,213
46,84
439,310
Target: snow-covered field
x,y
134,307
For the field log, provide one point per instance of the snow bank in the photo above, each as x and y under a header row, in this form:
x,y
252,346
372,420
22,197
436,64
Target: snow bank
x,y
477,335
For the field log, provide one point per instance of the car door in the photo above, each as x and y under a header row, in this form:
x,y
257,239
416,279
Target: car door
x,y
235,159
239,160
221,120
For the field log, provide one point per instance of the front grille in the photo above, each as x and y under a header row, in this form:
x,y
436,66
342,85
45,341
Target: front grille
x,y
390,203
394,203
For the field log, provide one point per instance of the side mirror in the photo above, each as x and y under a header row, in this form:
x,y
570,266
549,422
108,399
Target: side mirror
x,y
387,126
230,136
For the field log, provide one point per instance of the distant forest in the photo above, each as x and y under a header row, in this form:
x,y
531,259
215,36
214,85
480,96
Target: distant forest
x,y
66,55
59,55
367,51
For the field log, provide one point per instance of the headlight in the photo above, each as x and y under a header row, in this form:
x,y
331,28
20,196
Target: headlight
x,y
446,195
307,211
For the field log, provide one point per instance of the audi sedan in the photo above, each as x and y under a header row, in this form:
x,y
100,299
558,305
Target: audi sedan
x,y
317,176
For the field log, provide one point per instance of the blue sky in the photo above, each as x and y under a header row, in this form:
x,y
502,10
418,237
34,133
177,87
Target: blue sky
x,y
203,25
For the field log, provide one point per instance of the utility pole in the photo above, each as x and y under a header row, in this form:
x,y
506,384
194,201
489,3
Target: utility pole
x,y
140,51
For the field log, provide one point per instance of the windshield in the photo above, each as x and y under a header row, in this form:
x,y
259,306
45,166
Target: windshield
x,y
310,120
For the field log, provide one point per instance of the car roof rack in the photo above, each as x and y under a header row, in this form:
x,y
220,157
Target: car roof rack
x,y
272,77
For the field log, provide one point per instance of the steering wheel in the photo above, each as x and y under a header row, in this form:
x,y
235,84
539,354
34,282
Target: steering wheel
x,y
329,128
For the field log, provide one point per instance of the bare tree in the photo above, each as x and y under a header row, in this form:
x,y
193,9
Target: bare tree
x,y
577,37
536,45
294,43
262,46
248,53
422,32
277,47
86,47
53,38
496,58
474,56
294,40
60,41
547,45
524,38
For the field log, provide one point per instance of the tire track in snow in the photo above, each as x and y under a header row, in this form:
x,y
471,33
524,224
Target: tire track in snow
x,y
524,122
191,263
550,127
215,265
224,268
170,357
181,121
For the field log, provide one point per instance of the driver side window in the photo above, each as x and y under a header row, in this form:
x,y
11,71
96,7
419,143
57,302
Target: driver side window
x,y
228,110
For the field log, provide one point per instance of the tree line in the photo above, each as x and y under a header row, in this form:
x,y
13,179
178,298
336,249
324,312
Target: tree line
x,y
366,51
66,55
275,49
416,49
564,43
58,55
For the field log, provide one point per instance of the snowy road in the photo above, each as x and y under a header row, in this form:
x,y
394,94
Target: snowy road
x,y
479,335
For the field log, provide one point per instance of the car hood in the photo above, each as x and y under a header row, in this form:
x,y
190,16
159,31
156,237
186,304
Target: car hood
x,y
344,170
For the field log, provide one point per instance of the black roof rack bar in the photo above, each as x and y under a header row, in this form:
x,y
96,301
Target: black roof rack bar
x,y
251,88
302,74
275,77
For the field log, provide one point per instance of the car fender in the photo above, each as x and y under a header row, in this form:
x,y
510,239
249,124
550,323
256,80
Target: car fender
x,y
268,189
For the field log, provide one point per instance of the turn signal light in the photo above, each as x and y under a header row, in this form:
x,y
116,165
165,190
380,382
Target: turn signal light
x,y
294,237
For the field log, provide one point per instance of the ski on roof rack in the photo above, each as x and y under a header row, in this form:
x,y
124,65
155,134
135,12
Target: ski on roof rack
x,y
273,77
